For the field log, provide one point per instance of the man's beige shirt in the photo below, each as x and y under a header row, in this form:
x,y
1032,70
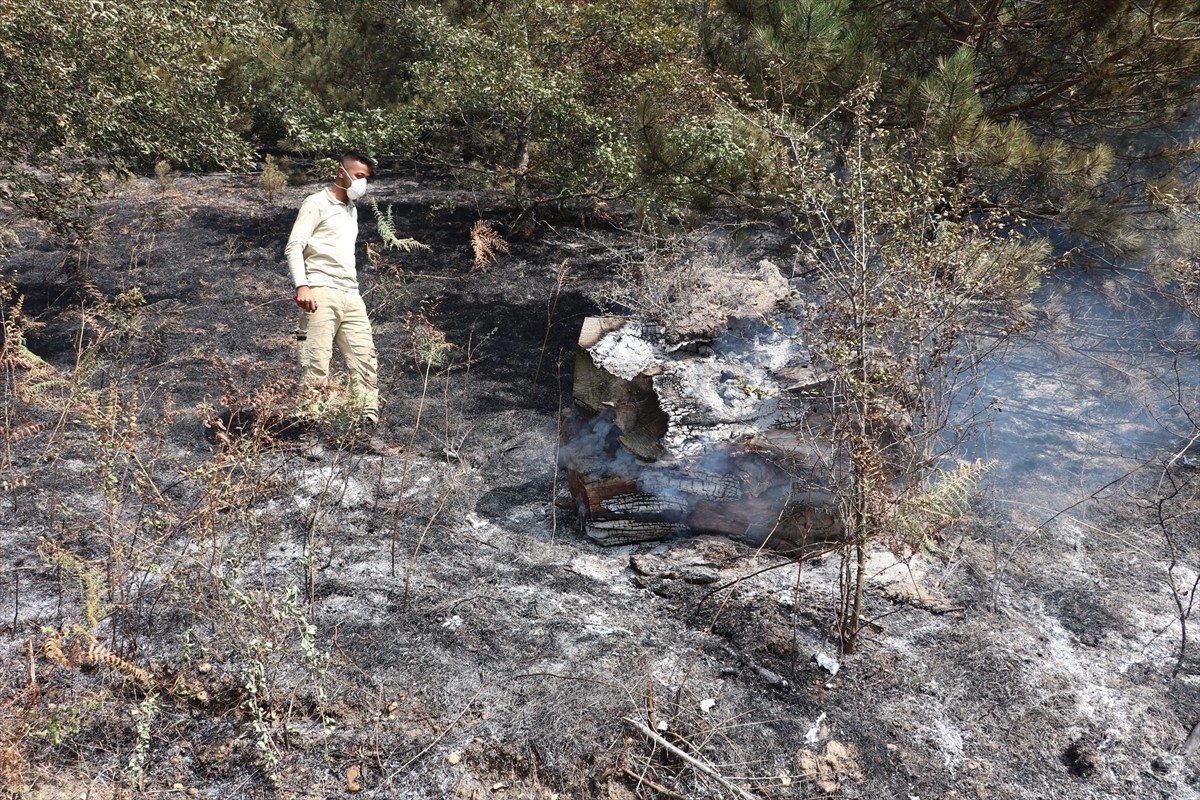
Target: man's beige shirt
x,y
320,250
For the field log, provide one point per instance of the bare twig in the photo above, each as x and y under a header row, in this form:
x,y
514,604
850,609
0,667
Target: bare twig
x,y
387,780
412,561
560,280
658,787
690,759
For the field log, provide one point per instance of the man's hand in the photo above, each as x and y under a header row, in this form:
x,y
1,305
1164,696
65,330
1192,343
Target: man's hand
x,y
304,298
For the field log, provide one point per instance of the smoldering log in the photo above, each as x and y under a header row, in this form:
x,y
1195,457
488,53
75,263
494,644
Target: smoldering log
x,y
704,437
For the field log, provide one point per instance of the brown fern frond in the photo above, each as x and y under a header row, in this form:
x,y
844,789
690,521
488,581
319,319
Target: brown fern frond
x,y
486,243
12,484
26,431
52,649
78,649
98,654
73,653
16,355
374,257
600,210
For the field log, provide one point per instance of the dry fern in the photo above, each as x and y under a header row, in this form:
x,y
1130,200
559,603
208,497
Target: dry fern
x,y
600,211
12,484
486,243
26,431
78,649
97,654
430,346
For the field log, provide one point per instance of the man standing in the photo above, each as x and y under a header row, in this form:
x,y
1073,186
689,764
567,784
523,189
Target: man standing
x,y
320,258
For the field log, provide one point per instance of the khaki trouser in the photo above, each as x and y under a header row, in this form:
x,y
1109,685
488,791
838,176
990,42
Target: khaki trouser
x,y
341,318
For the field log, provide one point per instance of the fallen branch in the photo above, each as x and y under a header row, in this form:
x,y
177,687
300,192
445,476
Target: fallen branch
x,y
658,787
690,759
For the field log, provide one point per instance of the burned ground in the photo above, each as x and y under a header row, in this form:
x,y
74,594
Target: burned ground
x,y
208,612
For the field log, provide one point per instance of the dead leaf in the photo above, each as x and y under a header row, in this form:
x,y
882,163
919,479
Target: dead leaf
x,y
353,778
836,751
836,764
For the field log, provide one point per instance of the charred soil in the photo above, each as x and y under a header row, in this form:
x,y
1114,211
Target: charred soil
x,y
189,605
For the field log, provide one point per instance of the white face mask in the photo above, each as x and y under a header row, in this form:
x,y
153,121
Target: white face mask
x,y
357,188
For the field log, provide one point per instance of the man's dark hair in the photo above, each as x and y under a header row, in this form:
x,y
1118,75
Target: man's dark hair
x,y
357,155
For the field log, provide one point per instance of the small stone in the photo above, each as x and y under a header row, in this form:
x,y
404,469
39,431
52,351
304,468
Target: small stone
x,y
699,576
769,676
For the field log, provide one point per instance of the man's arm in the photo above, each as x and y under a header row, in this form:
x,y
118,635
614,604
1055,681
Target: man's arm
x,y
306,222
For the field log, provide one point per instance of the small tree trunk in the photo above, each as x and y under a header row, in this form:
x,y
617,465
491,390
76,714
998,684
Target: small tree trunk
x,y
520,169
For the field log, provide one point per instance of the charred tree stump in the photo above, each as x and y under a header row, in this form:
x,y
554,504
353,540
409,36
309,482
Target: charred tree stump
x,y
714,436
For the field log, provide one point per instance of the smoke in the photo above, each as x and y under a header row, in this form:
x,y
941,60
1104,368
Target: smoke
x,y
1107,381
591,444
700,414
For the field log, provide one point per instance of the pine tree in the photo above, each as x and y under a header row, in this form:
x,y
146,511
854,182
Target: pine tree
x,y
1055,110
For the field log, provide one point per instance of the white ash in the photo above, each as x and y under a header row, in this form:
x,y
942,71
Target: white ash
x,y
624,353
735,387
